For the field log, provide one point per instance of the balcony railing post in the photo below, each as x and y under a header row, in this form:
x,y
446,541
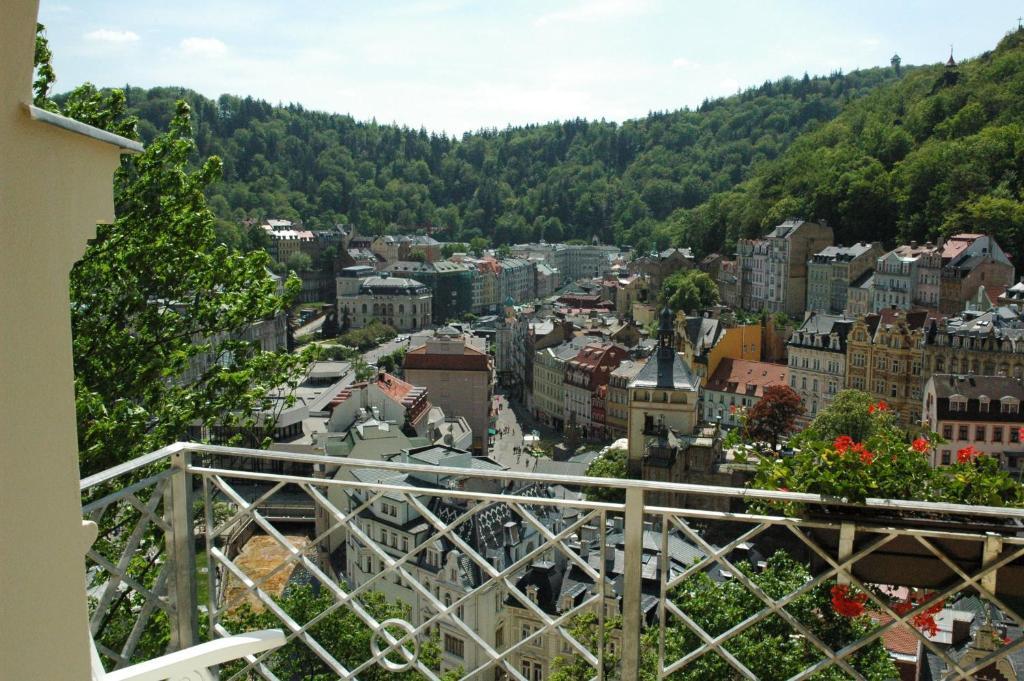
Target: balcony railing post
x,y
181,555
632,618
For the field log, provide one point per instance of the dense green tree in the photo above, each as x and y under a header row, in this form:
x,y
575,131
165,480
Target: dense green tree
x,y
611,464
299,262
689,291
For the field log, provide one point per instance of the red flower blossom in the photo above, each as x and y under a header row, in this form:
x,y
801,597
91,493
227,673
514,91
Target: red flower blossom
x,y
881,406
923,621
920,445
843,443
845,604
1020,434
866,457
1006,640
966,454
732,409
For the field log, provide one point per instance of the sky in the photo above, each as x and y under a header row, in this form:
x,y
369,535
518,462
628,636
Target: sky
x,y
454,66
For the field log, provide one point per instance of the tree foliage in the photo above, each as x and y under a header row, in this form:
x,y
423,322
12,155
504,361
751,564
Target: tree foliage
x,y
341,632
155,293
624,183
613,463
689,291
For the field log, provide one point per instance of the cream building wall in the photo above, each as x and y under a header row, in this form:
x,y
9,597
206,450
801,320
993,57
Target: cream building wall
x,y
55,185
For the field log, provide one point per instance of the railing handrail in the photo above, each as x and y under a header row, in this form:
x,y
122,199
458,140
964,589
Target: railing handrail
x,y
744,493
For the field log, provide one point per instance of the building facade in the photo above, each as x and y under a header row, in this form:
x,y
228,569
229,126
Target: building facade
x,y
584,375
983,412
817,360
450,283
970,261
777,265
403,304
907,276
458,378
735,387
832,270
884,358
662,395
985,343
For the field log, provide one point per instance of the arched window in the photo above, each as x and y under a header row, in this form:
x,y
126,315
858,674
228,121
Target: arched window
x,y
364,308
401,308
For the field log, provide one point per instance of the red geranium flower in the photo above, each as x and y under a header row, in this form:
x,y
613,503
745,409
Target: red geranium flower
x,y
966,454
866,457
920,445
881,406
1020,434
843,443
845,604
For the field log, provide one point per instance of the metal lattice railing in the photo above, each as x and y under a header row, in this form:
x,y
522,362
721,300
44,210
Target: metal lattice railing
x,y
397,570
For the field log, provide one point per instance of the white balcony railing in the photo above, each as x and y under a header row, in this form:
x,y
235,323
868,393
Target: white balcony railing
x,y
509,575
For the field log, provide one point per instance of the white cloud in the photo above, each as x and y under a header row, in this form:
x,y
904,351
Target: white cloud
x,y
106,35
203,47
594,10
684,64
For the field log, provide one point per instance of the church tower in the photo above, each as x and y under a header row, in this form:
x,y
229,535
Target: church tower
x,y
662,396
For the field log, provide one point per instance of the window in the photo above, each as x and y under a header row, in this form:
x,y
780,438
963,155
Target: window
x,y
1008,406
893,390
499,638
957,403
945,457
453,645
979,433
962,433
997,433
1014,435
947,432
983,403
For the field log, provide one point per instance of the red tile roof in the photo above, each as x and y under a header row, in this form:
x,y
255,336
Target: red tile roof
x,y
747,377
899,639
957,244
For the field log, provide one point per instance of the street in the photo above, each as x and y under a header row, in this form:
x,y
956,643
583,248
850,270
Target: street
x,y
504,446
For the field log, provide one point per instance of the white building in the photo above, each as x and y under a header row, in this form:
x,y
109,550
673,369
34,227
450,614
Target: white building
x,y
403,304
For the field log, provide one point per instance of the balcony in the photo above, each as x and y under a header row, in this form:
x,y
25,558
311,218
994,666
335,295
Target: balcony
x,y
376,569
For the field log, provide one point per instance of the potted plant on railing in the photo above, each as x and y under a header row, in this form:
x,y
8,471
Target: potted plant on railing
x,y
854,451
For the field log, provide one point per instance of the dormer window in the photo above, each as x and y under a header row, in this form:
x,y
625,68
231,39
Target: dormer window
x,y
957,403
983,403
531,592
1009,405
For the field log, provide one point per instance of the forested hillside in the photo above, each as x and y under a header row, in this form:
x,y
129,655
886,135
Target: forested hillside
x,y
939,151
627,183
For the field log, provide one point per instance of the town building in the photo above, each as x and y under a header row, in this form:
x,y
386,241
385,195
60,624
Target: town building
x,y
583,261
728,284
403,304
285,243
884,353
584,375
541,333
547,280
384,397
617,406
817,360
458,378
907,276
516,280
658,267
859,296
970,261
662,395
450,283
777,266
511,334
985,343
832,270
736,386
979,411
549,381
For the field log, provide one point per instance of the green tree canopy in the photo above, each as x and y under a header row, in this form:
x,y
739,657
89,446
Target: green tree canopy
x,y
689,291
